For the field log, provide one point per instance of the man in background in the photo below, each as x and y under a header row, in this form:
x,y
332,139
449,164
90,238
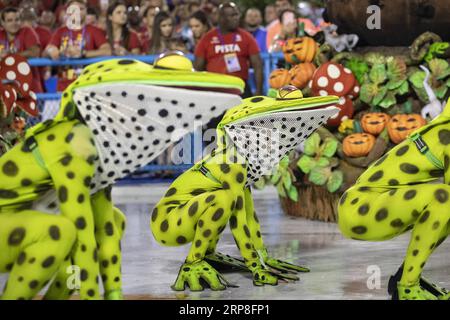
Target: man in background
x,y
231,50
15,38
253,24
76,42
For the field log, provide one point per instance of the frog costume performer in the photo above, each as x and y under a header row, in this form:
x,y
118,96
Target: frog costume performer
x,y
118,116
252,138
406,189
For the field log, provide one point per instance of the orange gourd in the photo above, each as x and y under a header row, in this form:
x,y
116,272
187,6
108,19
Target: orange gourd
x,y
358,144
374,122
301,49
301,74
402,125
279,78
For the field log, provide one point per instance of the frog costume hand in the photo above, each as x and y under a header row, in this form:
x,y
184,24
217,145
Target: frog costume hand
x,y
118,116
252,138
404,191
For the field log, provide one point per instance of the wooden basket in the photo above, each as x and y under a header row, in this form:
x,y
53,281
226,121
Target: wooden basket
x,y
314,203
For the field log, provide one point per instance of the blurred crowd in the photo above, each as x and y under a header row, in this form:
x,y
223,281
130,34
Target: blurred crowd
x,y
223,37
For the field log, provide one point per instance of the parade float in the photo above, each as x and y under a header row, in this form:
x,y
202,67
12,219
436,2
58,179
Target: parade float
x,y
392,82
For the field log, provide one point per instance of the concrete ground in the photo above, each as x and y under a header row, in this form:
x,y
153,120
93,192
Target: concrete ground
x,y
340,268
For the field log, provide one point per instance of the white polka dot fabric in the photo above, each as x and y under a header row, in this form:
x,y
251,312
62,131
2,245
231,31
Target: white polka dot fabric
x,y
264,140
134,123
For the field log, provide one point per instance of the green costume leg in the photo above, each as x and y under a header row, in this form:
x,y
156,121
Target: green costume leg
x,y
71,169
108,240
35,245
377,216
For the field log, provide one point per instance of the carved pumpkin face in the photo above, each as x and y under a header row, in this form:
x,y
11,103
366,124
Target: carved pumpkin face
x,y
401,126
358,144
298,50
374,122
279,78
301,74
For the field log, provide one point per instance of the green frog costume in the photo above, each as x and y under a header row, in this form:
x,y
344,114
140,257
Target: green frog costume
x,y
406,189
252,138
118,116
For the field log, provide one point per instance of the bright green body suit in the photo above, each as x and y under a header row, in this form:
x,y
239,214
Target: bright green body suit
x,y
202,201
73,160
403,191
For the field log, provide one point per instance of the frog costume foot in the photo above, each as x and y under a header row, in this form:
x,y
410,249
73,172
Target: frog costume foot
x,y
114,295
440,293
198,275
414,292
223,262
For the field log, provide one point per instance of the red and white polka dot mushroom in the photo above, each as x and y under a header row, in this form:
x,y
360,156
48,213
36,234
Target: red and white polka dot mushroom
x,y
334,79
15,88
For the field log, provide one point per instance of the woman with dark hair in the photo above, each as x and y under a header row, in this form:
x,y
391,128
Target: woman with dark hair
x,y
200,25
162,33
122,40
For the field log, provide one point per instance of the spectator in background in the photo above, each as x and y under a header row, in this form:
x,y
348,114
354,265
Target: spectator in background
x,y
47,19
252,23
147,30
289,29
135,21
212,10
181,14
270,14
15,38
86,41
162,33
229,49
274,29
29,19
121,39
200,25
92,16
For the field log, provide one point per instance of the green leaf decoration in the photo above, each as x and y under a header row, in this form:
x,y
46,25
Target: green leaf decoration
x,y
374,58
439,68
306,163
275,178
329,147
368,91
287,181
293,194
312,144
378,74
335,181
284,162
380,96
394,84
323,162
358,67
319,176
389,100
417,79
272,93
403,89
281,191
448,83
441,91
396,69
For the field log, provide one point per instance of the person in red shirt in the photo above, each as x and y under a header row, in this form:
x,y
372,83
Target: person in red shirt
x,y
72,41
121,39
229,49
22,40
29,19
147,30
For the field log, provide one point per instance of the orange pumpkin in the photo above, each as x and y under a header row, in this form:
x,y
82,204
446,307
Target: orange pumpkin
x,y
279,78
301,74
298,50
374,122
401,125
358,144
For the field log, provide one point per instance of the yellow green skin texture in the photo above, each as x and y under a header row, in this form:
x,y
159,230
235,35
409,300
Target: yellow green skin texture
x,y
402,191
197,209
34,246
34,243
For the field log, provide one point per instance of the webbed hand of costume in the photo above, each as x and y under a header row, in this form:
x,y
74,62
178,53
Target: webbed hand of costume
x,y
199,274
281,265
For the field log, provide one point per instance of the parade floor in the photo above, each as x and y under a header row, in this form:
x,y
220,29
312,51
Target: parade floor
x,y
340,268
